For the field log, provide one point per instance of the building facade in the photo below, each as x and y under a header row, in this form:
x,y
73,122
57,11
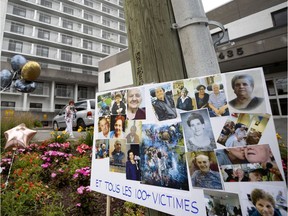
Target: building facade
x,y
255,36
67,38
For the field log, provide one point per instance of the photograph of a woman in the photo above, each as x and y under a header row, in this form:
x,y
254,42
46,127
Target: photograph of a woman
x,y
132,167
202,97
198,131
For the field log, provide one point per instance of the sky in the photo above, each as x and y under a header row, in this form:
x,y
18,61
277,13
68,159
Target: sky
x,y
212,4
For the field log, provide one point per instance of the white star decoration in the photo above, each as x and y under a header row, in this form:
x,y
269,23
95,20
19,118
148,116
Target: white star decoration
x,y
19,136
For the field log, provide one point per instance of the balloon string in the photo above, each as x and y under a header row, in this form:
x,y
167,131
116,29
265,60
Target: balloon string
x,y
6,87
6,183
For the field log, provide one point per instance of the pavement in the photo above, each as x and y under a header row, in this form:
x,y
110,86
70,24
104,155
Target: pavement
x,y
44,134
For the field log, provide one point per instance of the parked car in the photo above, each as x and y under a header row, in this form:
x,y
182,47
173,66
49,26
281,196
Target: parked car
x,y
84,115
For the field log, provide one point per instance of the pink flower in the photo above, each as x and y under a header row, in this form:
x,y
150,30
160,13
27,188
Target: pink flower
x,y
75,175
80,190
78,204
45,165
53,175
61,170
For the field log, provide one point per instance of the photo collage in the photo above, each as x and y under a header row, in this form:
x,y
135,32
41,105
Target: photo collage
x,y
164,135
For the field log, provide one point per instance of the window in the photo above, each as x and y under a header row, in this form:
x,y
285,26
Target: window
x,y
87,72
66,56
87,29
121,14
106,35
67,24
216,36
42,89
123,39
7,104
87,44
46,3
15,45
105,22
105,9
281,85
35,106
68,10
59,106
107,77
43,34
82,92
280,17
88,3
64,68
44,18
122,26
67,39
88,16
277,90
64,90
19,11
42,51
17,28
106,48
87,59
121,2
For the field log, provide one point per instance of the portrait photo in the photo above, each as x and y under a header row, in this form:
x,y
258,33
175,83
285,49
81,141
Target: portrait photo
x,y
102,148
260,200
117,127
246,91
136,108
198,131
104,104
162,102
133,131
133,171
203,168
222,203
183,95
104,127
118,105
117,155
210,93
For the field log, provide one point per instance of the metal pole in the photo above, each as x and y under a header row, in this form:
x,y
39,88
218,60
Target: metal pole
x,y
196,42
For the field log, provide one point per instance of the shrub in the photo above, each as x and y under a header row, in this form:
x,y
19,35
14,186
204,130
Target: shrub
x,y
87,136
59,137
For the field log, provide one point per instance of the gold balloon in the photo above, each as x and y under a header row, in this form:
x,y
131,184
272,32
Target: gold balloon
x,y
19,136
30,71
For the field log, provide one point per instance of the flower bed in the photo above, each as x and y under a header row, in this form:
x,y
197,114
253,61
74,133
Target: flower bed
x,y
53,178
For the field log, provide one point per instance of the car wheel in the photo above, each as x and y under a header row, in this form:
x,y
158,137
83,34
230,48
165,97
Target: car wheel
x,y
81,123
55,126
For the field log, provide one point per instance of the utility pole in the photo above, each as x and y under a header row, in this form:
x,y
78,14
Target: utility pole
x,y
154,48
198,50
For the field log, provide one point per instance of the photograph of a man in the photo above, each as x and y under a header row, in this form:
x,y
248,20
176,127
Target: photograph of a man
x,y
243,86
204,176
117,156
104,127
217,102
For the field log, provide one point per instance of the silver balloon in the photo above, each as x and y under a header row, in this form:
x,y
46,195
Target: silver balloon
x,y
25,86
17,62
6,78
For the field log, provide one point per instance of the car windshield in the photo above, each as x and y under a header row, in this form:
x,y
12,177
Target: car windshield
x,y
92,103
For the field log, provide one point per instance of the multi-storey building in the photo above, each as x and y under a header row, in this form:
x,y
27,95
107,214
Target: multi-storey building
x,y
255,36
67,38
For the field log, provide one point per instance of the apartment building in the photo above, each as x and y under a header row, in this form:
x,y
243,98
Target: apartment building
x,y
255,36
67,38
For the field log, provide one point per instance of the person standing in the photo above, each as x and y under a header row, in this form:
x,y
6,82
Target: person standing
x,y
70,112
